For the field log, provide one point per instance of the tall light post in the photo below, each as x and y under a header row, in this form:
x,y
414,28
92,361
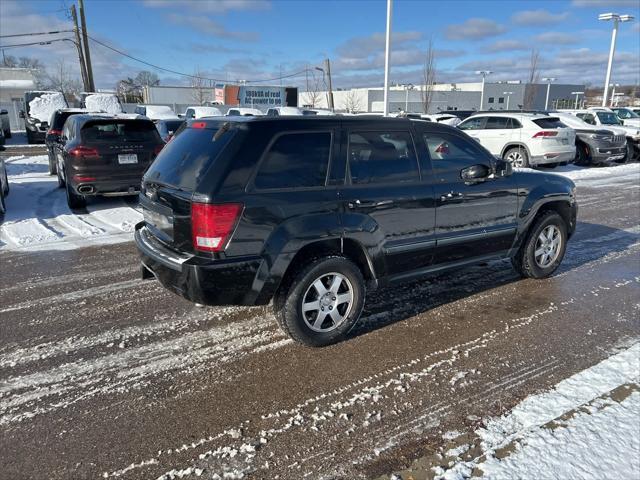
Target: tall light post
x,y
484,74
617,97
616,19
407,87
613,91
387,53
577,94
548,80
508,94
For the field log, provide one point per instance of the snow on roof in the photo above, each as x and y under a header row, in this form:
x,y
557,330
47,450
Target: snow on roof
x,y
105,102
43,106
26,84
206,112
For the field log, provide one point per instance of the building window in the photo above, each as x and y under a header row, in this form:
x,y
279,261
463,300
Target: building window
x,y
501,100
491,99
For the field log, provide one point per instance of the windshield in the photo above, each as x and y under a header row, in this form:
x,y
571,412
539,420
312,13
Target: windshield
x,y
627,113
608,118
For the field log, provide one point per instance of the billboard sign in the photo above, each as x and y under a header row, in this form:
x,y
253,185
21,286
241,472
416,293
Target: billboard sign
x,y
218,93
255,96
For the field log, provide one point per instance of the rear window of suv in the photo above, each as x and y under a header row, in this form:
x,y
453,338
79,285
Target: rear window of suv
x,y
549,122
295,160
186,158
119,131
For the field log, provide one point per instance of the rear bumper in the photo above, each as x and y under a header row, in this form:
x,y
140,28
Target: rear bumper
x,y
109,187
205,281
554,157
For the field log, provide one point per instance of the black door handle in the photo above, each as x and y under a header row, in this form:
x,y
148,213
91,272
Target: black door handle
x,y
366,204
451,196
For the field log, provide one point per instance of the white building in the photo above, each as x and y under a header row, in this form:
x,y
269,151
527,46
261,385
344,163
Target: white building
x,y
14,82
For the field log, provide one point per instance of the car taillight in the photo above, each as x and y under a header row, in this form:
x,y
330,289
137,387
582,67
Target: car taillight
x,y
54,132
212,225
546,133
85,152
199,125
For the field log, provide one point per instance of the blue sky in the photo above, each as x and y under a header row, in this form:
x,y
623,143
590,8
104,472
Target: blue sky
x,y
252,40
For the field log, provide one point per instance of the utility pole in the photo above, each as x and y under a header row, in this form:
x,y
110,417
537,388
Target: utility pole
x,y
327,67
83,67
85,41
387,55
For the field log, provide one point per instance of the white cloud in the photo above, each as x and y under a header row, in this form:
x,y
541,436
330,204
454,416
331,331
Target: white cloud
x,y
538,17
210,27
209,6
506,46
555,38
605,3
474,29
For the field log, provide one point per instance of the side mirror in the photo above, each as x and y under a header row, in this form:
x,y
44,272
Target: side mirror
x,y
22,115
475,173
503,169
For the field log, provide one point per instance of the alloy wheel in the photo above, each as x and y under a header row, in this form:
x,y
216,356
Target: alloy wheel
x,y
516,158
548,246
327,302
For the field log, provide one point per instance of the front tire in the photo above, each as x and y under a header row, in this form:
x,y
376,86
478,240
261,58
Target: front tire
x,y
543,250
517,156
74,200
321,302
3,207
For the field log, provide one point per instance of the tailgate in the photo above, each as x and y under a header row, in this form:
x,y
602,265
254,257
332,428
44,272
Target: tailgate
x,y
167,214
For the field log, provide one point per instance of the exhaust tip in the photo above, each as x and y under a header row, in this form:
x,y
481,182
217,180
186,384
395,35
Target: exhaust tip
x,y
86,189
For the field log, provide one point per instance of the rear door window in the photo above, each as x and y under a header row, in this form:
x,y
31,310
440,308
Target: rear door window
x,y
295,160
497,123
382,157
186,158
476,123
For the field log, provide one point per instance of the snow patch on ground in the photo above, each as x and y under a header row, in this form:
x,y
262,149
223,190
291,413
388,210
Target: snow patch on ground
x,y
43,106
573,431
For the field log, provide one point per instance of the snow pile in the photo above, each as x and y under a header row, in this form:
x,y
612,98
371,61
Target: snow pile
x,y
43,106
103,102
586,427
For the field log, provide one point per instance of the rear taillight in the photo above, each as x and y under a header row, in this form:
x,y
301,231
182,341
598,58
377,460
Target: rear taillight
x,y
212,225
54,132
84,152
545,133
199,125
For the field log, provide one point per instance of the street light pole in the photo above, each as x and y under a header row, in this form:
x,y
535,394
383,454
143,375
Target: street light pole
x,y
616,19
613,91
577,94
387,52
508,94
484,73
548,80
406,96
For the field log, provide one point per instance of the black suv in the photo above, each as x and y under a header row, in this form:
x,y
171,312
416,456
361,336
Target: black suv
x,y
98,155
312,212
55,132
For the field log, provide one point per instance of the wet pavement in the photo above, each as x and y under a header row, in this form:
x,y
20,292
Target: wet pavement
x,y
104,375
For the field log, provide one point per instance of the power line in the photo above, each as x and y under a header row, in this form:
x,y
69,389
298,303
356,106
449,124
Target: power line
x,y
36,33
44,42
175,72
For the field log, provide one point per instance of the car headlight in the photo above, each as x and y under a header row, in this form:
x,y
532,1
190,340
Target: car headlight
x,y
595,136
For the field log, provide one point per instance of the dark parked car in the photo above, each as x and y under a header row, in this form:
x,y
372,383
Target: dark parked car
x,y
168,128
312,212
5,124
100,155
4,185
56,122
36,128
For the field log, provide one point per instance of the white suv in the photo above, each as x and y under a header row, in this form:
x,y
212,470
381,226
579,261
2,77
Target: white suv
x,y
524,139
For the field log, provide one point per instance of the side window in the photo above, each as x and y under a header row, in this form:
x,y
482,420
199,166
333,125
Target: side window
x,y
295,160
590,119
494,123
513,123
451,153
475,123
380,157
140,110
491,99
233,112
189,113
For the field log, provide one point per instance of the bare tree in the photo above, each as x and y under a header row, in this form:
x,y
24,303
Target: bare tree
x,y
198,83
533,79
313,95
147,79
62,80
428,76
9,61
129,90
351,102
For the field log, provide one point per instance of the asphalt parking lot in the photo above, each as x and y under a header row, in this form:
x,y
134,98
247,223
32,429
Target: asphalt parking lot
x,y
105,375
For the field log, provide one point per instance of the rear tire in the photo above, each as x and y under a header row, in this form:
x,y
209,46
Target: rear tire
x,y
539,256
321,302
3,207
7,133
517,156
74,200
52,163
30,139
